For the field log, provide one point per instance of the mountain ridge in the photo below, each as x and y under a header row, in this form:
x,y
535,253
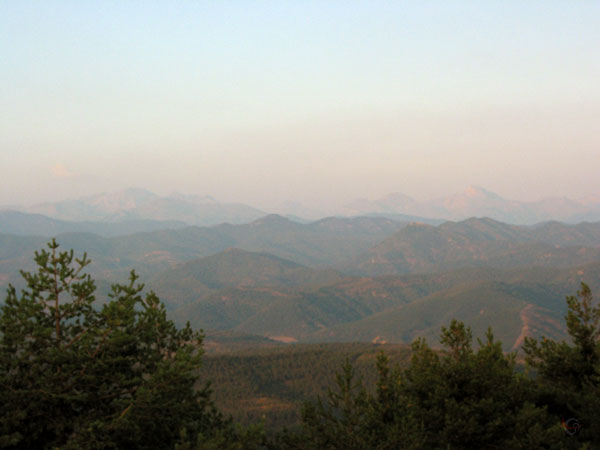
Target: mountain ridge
x,y
478,242
474,201
141,204
477,201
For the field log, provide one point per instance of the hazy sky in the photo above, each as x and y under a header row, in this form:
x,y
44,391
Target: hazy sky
x,y
318,102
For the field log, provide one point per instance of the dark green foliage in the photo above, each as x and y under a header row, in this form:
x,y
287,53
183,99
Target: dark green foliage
x,y
72,376
271,384
342,423
569,373
460,399
474,399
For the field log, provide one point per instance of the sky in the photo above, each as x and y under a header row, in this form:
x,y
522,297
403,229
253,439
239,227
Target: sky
x,y
316,102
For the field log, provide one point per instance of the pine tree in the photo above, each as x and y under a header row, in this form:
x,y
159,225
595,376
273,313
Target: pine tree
x,y
569,373
458,398
73,375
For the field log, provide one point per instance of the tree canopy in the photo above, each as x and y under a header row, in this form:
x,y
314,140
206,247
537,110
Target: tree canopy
x,y
568,374
457,399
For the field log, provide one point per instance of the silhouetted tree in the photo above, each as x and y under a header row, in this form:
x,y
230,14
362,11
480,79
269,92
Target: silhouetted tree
x,y
115,377
455,399
568,374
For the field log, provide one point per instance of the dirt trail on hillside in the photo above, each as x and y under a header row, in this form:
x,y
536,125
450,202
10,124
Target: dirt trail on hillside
x,y
526,329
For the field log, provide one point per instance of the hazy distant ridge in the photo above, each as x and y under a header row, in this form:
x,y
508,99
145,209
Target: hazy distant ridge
x,y
140,204
475,201
27,224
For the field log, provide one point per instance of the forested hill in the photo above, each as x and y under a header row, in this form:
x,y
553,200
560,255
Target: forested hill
x,y
277,279
322,243
479,242
271,383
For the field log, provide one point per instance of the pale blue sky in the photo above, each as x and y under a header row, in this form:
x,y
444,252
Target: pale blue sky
x,y
320,102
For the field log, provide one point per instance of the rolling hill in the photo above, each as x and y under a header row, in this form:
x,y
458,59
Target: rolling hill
x,y
510,309
235,268
516,303
322,243
478,242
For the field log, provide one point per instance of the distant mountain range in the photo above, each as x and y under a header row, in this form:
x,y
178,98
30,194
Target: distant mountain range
x,y
475,201
26,224
140,205
146,209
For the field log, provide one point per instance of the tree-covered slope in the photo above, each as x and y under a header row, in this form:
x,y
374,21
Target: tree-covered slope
x,y
517,303
322,243
236,268
511,310
475,243
272,383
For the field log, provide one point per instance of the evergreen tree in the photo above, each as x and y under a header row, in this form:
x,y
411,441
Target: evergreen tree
x,y
568,374
352,419
474,399
341,423
120,376
455,399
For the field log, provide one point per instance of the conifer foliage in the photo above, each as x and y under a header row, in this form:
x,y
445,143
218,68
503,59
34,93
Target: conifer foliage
x,y
568,374
73,375
457,399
